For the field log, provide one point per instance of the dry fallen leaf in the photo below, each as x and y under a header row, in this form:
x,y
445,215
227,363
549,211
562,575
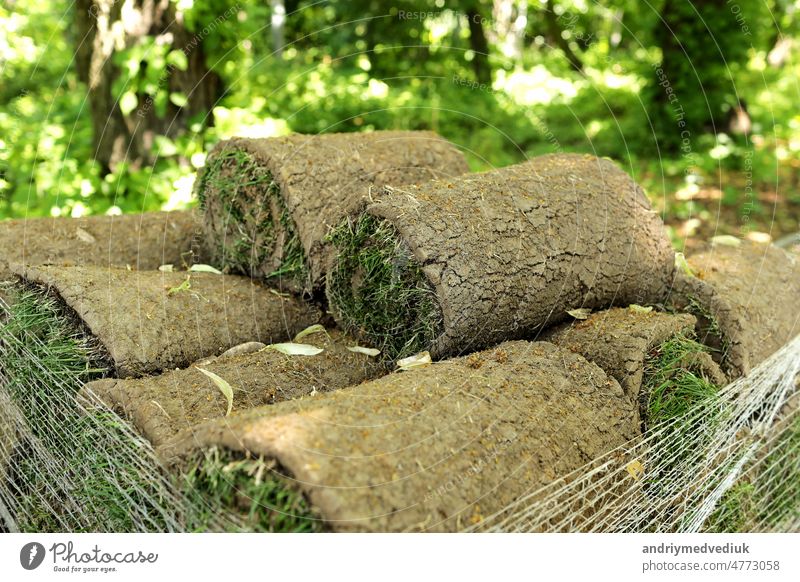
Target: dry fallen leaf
x,y
640,308
362,350
682,264
245,348
85,236
725,240
223,386
635,469
581,313
200,268
416,361
317,328
292,349
166,268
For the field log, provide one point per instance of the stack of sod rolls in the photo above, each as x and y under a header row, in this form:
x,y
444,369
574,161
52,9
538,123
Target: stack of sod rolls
x,y
144,322
433,448
455,265
744,296
76,465
137,241
162,406
654,356
726,460
268,203
141,399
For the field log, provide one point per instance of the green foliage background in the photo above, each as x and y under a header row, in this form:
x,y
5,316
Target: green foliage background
x,y
365,65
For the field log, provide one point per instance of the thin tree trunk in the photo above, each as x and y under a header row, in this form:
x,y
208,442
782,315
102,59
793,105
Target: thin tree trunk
x,y
479,45
129,136
554,31
278,21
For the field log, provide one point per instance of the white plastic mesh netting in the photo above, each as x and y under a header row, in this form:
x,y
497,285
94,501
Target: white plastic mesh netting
x,y
730,463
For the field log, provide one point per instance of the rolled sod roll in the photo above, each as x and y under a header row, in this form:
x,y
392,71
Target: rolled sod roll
x,y
745,298
162,406
139,241
148,321
457,265
620,341
437,447
268,203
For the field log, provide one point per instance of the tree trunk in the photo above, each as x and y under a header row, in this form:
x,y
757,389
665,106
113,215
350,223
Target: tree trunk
x,y
103,32
554,33
510,20
278,21
479,45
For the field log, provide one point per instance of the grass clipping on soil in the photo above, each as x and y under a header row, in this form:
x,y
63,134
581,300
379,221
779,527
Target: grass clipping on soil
x,y
380,289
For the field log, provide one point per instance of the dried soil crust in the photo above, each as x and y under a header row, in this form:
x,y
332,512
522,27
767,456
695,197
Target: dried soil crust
x,y
146,326
508,252
438,447
751,291
162,406
138,241
323,178
620,339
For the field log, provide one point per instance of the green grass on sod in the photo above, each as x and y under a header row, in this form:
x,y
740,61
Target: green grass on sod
x,y
243,187
681,410
249,491
767,497
82,469
734,511
778,483
670,388
380,289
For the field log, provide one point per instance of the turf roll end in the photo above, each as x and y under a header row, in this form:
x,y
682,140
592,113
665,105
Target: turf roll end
x,y
253,230
250,491
269,203
378,289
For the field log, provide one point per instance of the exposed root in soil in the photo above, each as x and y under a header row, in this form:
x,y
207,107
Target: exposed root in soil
x,y
251,492
379,289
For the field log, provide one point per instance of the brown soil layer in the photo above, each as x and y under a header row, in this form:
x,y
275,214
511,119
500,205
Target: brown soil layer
x,y
620,339
149,321
138,241
162,406
509,252
746,300
438,447
320,179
